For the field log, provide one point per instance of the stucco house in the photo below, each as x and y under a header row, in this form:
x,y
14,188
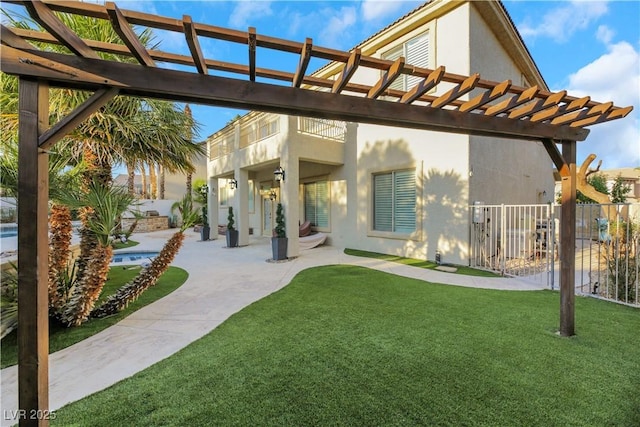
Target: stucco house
x,y
392,190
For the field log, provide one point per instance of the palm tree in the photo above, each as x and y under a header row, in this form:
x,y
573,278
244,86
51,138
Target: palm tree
x,y
106,204
150,275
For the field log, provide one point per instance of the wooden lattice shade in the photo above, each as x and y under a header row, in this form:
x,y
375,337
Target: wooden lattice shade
x,y
496,109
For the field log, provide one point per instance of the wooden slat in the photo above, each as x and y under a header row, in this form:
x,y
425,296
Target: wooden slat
x,y
33,245
583,114
424,86
252,53
616,114
387,78
486,97
9,38
45,17
130,39
305,57
512,102
537,105
77,116
132,79
558,110
461,89
194,45
347,72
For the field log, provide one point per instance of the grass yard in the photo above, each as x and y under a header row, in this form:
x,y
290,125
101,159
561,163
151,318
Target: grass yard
x,y
61,337
128,244
420,263
344,345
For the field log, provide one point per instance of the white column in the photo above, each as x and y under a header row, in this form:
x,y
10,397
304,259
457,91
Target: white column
x,y
289,191
242,202
213,207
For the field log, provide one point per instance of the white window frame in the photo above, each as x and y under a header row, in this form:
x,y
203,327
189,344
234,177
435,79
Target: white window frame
x,y
328,206
394,233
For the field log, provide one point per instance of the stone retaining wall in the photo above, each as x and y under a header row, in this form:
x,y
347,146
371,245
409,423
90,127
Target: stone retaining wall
x,y
151,223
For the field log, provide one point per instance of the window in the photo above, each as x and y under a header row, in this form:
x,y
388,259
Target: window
x,y
316,203
223,193
415,52
394,201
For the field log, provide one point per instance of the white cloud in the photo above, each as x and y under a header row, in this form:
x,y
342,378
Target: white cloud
x,y
375,9
560,23
337,24
605,34
245,10
615,76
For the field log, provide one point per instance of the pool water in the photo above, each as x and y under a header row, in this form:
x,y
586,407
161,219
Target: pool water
x,y
8,232
122,257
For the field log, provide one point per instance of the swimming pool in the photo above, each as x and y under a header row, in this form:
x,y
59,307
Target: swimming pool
x,y
132,256
8,232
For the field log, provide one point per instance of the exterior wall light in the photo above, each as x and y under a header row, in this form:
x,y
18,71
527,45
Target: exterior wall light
x,y
233,184
279,174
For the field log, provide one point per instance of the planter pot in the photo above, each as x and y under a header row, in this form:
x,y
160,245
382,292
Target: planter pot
x,y
204,233
279,247
232,238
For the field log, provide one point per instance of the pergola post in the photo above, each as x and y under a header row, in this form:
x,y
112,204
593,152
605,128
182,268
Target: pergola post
x,y
568,242
33,315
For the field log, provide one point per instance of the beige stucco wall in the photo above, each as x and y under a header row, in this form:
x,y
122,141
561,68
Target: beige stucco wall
x,y
452,170
503,171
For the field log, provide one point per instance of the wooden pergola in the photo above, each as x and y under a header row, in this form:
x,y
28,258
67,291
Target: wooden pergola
x,y
498,109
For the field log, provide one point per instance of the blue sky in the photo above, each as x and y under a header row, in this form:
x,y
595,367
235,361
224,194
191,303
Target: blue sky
x,y
587,47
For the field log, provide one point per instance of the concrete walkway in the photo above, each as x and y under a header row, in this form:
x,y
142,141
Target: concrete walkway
x,y
222,281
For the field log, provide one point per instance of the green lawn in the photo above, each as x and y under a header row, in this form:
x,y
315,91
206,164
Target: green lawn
x,y
61,337
461,269
344,345
128,244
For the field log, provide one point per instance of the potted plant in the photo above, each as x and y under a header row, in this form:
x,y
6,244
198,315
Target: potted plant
x,y
279,240
232,233
205,230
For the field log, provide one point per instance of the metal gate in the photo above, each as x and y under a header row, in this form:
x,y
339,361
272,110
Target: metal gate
x,y
514,240
521,240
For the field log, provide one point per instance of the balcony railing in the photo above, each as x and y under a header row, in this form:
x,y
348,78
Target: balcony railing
x,y
258,129
221,146
329,129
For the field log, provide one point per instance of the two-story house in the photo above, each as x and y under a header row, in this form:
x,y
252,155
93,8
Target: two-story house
x,y
379,188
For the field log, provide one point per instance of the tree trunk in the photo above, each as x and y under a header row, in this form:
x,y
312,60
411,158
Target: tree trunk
x,y
59,254
99,170
189,186
131,179
147,278
153,180
161,182
89,287
143,178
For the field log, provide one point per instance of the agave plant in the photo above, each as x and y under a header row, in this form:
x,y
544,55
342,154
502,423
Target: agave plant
x,y
150,275
8,300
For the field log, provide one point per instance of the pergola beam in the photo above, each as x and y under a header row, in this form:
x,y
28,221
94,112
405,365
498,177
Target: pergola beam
x,y
347,72
132,79
194,45
252,54
122,28
45,17
305,57
77,116
387,79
